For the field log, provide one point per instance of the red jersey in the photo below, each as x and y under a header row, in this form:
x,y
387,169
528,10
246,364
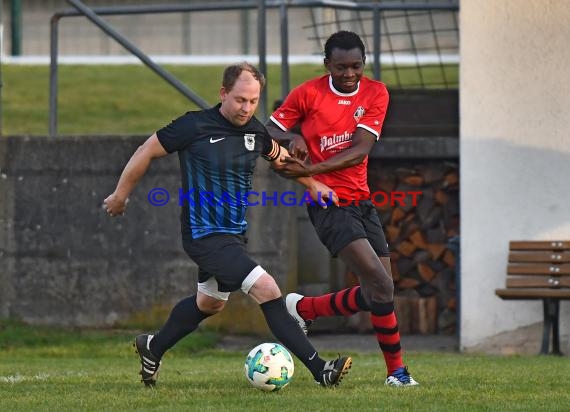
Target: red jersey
x,y
328,118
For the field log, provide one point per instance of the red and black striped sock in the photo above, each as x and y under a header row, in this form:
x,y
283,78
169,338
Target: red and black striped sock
x,y
350,301
343,303
386,328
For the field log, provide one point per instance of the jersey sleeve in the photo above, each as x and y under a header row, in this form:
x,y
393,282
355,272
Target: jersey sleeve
x,y
373,118
292,110
178,134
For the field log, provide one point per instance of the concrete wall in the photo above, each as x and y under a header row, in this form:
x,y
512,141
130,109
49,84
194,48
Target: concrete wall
x,y
64,261
515,152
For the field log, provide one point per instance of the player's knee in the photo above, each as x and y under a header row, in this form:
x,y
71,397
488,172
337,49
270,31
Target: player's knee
x,y
378,288
212,309
269,287
209,305
265,289
387,288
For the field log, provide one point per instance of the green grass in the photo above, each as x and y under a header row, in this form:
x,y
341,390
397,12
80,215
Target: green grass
x,y
131,99
42,369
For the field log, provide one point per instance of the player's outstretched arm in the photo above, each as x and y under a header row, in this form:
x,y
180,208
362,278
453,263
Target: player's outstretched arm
x,y
116,203
319,192
362,142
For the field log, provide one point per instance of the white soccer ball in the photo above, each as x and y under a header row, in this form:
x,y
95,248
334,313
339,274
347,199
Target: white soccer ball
x,y
269,367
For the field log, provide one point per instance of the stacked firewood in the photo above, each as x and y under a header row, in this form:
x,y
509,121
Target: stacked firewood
x,y
418,227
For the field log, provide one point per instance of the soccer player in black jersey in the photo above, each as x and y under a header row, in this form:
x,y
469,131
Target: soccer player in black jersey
x,y
217,149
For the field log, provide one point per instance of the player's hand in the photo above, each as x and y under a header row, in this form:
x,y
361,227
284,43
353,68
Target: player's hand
x,y
322,194
298,148
292,167
114,205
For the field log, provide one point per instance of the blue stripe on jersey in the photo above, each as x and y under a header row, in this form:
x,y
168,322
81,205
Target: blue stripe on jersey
x,y
192,215
243,188
225,211
233,189
210,182
202,211
217,164
216,188
211,214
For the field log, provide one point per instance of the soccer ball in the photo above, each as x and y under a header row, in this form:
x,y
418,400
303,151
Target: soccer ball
x,y
269,367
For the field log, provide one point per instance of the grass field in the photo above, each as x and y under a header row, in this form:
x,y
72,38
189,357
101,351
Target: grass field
x,y
128,99
46,370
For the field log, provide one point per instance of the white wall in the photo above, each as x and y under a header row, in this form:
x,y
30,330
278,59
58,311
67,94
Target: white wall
x,y
515,150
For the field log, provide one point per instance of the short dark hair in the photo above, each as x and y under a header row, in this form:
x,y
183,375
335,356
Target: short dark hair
x,y
231,74
344,40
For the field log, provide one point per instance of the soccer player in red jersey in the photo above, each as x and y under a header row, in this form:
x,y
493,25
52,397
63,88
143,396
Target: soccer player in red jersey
x,y
340,116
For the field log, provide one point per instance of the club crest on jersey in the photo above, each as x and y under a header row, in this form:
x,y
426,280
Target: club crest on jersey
x,y
359,113
249,140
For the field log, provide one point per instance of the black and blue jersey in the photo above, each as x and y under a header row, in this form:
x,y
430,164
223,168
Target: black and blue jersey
x,y
217,160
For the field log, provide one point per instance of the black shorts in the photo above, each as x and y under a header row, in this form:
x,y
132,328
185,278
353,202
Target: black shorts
x,y
222,256
338,226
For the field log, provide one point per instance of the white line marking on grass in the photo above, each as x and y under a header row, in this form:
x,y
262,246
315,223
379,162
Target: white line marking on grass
x,y
21,378
17,378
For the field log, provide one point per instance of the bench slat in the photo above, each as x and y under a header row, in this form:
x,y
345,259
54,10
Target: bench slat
x,y
539,245
533,293
538,269
538,282
539,256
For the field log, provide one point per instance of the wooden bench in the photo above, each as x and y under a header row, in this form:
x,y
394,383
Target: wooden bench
x,y
540,270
